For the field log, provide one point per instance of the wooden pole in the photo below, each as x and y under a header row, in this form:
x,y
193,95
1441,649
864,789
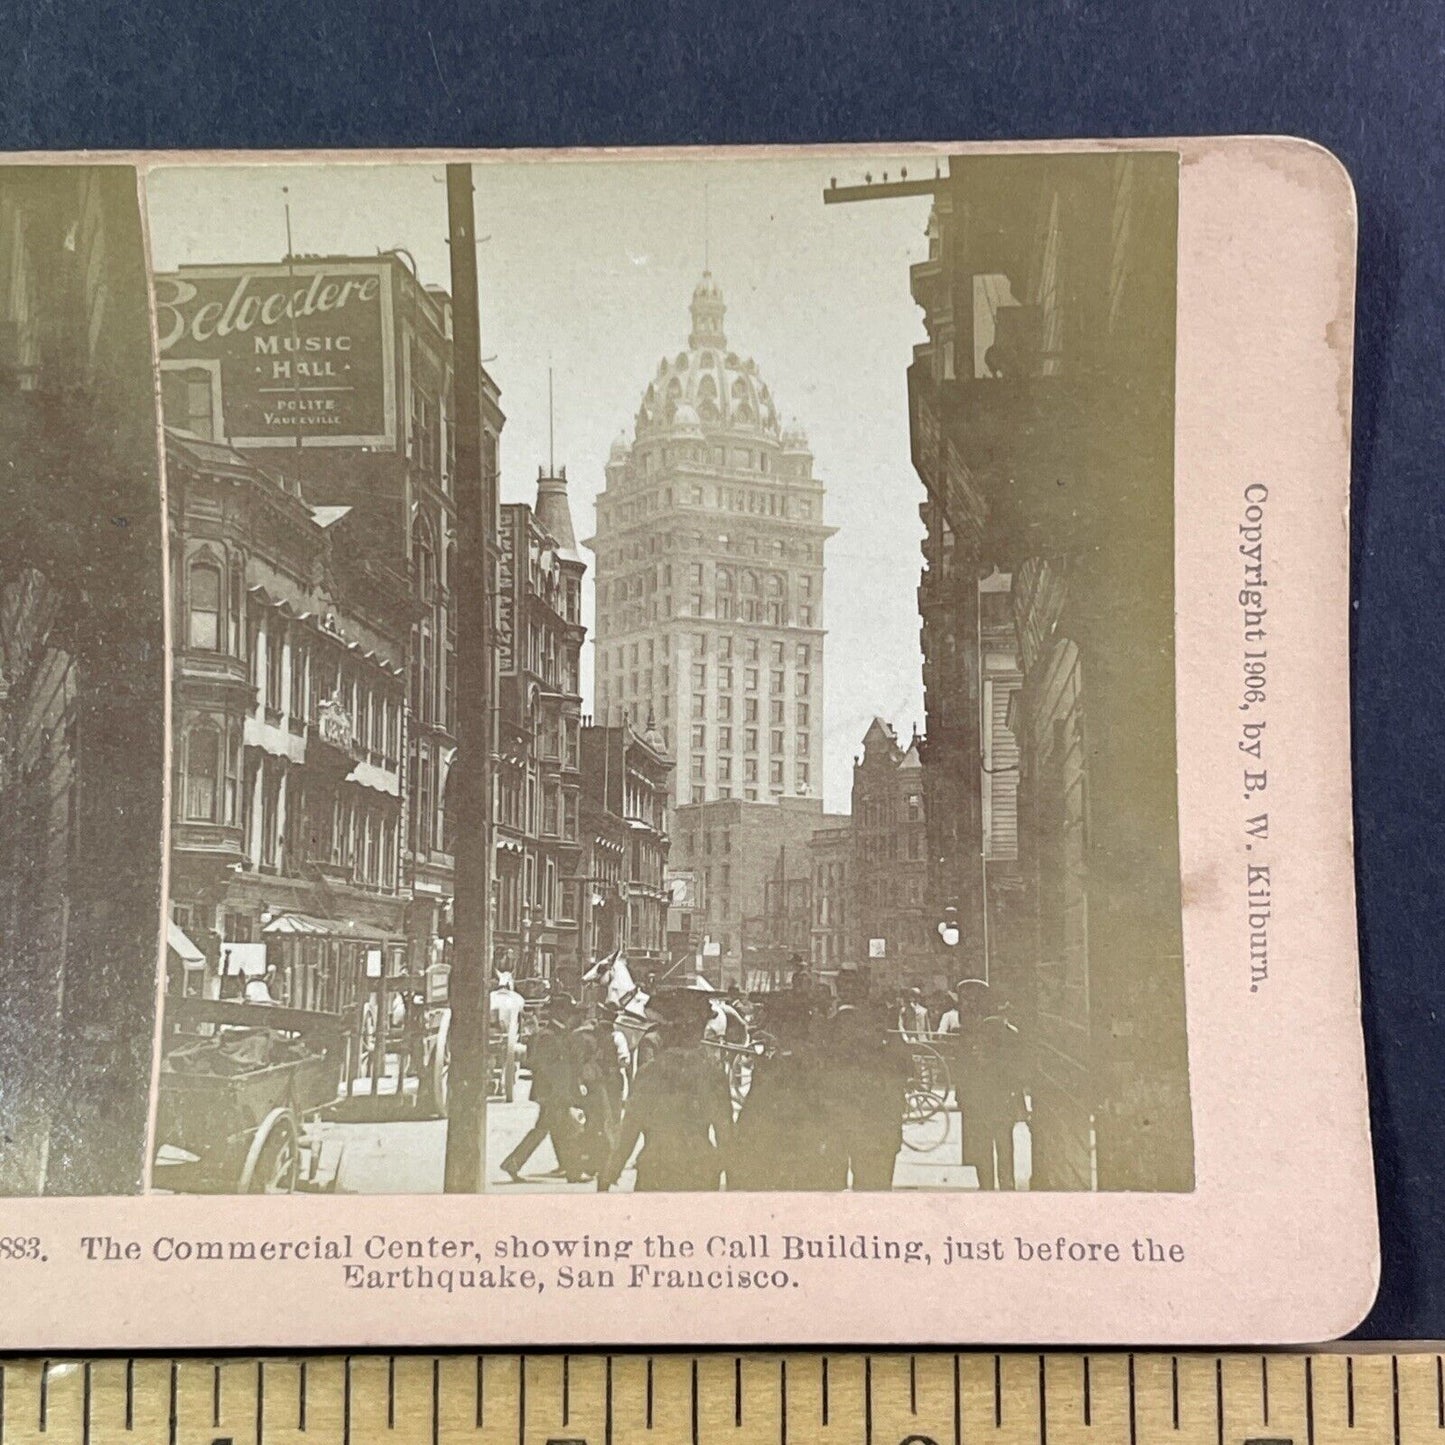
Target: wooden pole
x,y
475,489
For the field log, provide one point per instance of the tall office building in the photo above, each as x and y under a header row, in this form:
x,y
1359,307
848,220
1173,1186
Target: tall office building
x,y
709,575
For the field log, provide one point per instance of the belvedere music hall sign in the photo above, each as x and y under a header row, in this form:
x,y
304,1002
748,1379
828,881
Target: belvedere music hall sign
x,y
303,348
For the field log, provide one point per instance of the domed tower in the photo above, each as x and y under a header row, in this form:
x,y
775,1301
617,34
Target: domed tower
x,y
709,575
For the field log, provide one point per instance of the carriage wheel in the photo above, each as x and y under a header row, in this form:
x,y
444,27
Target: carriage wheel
x,y
274,1158
926,1130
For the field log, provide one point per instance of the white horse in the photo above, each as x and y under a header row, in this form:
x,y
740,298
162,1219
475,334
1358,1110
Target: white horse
x,y
622,993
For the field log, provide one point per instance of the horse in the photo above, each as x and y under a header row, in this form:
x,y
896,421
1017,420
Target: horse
x,y
622,993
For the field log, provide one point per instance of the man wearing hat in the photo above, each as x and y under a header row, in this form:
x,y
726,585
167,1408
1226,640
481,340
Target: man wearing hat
x,y
782,1130
557,1092
679,1107
505,1007
867,1096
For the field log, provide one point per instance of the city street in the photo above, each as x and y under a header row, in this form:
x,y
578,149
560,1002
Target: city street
x,y
406,1156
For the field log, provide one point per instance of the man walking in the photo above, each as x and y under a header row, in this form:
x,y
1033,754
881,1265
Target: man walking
x,y
557,1092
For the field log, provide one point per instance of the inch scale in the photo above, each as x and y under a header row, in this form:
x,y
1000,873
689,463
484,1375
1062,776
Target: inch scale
x,y
676,1399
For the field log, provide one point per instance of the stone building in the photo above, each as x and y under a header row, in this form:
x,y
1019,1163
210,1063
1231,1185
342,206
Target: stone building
x,y
538,889
709,549
890,866
832,936
335,372
1042,430
82,682
625,778
289,670
734,849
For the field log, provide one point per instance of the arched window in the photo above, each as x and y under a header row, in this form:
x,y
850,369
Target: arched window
x,y
750,583
775,585
203,631
203,770
724,579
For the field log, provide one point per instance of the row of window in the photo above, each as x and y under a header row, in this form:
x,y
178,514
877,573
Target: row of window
x,y
765,502
612,556
638,701
802,772
726,648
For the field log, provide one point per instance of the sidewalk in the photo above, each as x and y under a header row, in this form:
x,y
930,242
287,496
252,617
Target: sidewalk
x,y
407,1155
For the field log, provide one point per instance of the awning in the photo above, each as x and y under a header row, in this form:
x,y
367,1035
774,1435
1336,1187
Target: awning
x,y
305,925
182,947
300,924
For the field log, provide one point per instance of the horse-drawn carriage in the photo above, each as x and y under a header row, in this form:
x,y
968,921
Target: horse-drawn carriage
x,y
241,1085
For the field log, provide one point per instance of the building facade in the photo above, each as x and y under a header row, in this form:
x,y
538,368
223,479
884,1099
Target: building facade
x,y
336,373
890,865
1042,429
290,681
733,849
709,548
832,936
538,890
82,682
626,777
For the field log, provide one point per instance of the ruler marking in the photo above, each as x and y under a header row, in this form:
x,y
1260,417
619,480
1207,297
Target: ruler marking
x,y
1264,1385
391,1392
694,1401
1439,1393
783,1401
1309,1401
130,1393
2,1404
260,1399
436,1400
913,1384
1174,1387
346,1401
1395,1395
825,1389
868,1399
998,1392
607,1377
44,1394
737,1392
522,1400
1043,1404
649,1392
481,1417
1219,1401
566,1389
301,1398
215,1394
1088,1401
1133,1407
1350,1390
175,1404
85,1399
957,1400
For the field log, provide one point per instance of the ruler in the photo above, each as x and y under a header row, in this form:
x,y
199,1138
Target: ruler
x,y
677,1399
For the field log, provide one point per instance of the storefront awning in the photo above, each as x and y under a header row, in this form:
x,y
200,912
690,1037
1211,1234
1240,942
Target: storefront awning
x,y
182,947
305,925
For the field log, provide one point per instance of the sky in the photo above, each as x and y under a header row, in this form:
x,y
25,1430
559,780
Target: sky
x,y
588,266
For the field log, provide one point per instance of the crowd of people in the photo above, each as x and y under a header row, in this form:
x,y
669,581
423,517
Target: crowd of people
x,y
824,1107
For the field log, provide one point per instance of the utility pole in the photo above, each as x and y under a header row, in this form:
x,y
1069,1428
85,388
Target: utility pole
x,y
475,487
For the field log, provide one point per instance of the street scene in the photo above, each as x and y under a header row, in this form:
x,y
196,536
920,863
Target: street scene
x,y
521,839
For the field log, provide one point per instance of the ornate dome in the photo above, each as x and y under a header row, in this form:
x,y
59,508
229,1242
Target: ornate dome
x,y
707,388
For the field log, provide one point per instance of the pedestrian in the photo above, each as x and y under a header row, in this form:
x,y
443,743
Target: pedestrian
x,y
505,1009
867,1096
988,1082
781,1141
557,1093
600,1076
913,1016
679,1106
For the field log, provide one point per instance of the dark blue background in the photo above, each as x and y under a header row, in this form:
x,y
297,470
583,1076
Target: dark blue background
x,y
1365,79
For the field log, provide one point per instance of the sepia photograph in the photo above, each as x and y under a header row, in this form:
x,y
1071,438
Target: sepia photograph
x,y
521,840
82,682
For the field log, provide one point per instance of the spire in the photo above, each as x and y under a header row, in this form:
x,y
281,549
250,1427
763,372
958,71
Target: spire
x,y
554,513
707,315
